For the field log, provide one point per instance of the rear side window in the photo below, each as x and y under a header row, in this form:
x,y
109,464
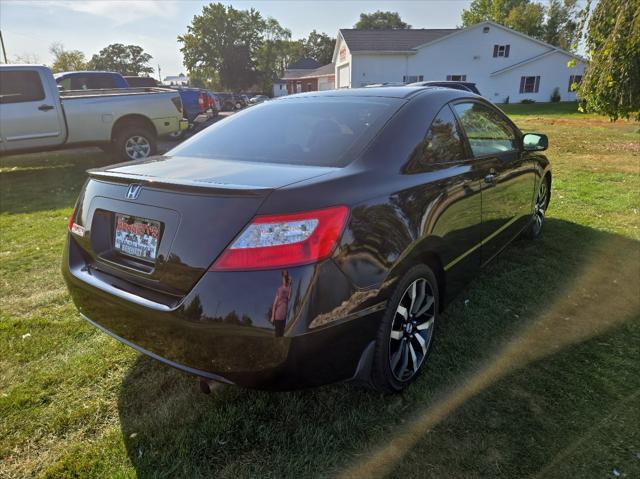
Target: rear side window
x,y
20,86
441,144
316,131
92,82
487,130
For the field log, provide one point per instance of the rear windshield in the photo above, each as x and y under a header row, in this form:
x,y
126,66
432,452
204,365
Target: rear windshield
x,y
311,131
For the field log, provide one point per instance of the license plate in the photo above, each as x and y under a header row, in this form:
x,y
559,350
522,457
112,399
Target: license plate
x,y
137,237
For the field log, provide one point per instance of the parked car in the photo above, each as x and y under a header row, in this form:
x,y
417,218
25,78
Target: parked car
x,y
36,116
386,84
136,81
228,101
457,85
214,104
258,99
322,250
195,102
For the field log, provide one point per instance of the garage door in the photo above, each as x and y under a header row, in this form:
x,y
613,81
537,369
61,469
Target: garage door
x,y
344,76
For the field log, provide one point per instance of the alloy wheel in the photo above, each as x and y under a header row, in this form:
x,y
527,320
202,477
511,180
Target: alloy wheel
x,y
540,205
412,330
137,147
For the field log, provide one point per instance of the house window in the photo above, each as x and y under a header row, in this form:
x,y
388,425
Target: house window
x,y
529,84
574,82
456,77
412,78
501,50
485,30
309,86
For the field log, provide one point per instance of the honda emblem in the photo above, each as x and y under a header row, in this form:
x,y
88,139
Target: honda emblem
x,y
134,191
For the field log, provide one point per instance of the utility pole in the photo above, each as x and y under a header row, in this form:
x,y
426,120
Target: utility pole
x,y
4,50
159,74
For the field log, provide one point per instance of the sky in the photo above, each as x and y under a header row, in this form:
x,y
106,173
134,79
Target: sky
x,y
30,27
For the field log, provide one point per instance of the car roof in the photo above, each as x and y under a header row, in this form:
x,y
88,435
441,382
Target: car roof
x,y
402,92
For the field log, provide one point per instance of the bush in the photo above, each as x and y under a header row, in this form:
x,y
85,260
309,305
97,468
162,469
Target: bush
x,y
526,101
555,96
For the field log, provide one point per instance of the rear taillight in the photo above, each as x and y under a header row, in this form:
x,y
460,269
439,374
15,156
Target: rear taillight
x,y
72,218
276,241
177,102
202,101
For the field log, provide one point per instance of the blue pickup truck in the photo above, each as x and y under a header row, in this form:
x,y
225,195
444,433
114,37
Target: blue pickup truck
x,y
195,102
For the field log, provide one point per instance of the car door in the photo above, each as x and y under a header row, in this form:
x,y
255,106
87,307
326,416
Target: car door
x,y
450,206
508,185
31,116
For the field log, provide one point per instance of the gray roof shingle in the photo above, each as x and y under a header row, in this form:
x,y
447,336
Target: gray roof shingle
x,y
327,69
391,40
304,64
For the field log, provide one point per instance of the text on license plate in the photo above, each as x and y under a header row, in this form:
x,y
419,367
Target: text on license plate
x,y
138,237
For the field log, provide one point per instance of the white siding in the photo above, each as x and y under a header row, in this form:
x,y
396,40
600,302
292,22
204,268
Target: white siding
x,y
377,68
553,72
470,53
326,83
343,75
279,89
343,64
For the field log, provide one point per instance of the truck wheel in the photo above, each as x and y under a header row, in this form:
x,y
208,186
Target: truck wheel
x,y
134,143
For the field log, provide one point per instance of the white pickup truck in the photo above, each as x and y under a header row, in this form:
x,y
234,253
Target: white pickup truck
x,y
35,116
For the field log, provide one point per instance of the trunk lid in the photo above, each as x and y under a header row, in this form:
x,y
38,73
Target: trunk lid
x,y
199,204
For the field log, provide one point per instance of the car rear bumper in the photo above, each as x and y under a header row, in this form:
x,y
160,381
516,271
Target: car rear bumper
x,y
221,330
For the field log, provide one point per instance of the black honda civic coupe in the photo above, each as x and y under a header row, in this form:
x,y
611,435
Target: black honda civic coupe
x,y
311,239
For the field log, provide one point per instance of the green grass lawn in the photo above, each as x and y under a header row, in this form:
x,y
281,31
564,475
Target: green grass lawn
x,y
535,372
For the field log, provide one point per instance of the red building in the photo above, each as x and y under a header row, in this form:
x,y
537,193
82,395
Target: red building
x,y
307,75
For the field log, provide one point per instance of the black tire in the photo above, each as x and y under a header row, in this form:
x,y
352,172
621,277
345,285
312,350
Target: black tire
x,y
541,202
126,137
384,375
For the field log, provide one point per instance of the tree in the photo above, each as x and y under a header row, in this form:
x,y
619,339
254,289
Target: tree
x,y
561,27
611,85
319,46
494,10
124,59
26,58
527,18
381,21
66,60
224,40
271,56
555,24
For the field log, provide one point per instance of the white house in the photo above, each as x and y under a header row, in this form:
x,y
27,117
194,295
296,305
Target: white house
x,y
500,61
179,80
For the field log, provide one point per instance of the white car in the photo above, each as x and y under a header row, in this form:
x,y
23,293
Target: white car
x,y
258,99
37,116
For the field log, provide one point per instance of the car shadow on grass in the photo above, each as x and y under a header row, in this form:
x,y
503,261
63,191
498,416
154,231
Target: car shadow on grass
x,y
535,372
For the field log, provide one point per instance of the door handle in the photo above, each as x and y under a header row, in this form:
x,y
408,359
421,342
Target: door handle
x,y
45,107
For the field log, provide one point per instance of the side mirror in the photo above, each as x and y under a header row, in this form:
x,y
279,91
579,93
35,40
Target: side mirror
x,y
535,142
